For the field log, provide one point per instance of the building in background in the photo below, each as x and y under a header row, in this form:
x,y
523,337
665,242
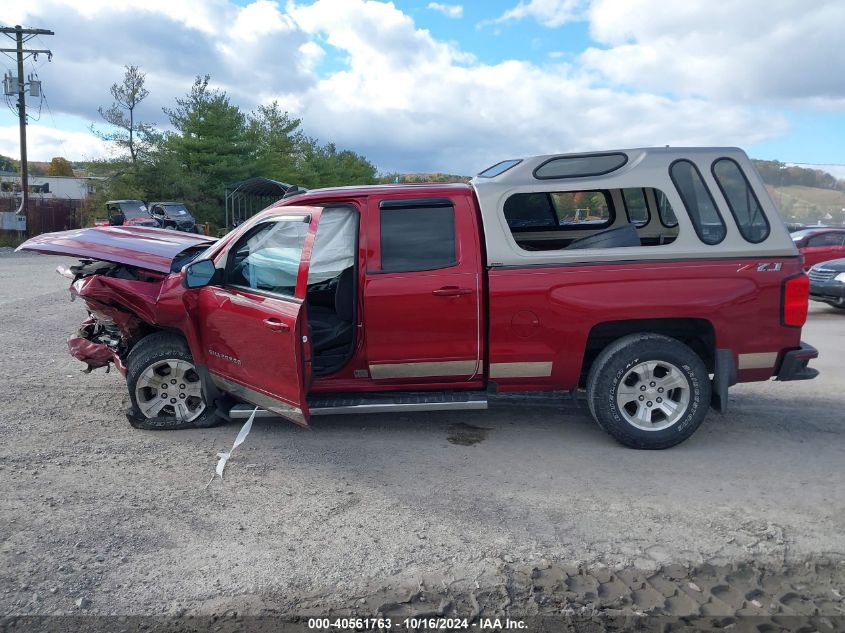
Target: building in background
x,y
54,202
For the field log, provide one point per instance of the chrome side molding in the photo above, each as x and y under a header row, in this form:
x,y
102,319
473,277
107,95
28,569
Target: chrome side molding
x,y
361,405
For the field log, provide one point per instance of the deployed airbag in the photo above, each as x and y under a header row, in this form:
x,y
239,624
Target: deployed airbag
x,y
274,258
334,247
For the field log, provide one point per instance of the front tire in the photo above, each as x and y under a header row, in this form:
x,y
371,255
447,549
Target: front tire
x,y
165,388
648,391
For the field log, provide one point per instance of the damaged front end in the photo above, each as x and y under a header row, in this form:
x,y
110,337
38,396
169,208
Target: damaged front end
x,y
95,347
115,295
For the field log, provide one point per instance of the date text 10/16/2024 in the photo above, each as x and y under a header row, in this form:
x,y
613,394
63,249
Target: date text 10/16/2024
x,y
386,624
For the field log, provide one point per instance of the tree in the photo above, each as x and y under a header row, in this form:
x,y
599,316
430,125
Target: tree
x,y
59,167
276,140
131,134
8,164
325,166
36,169
210,143
213,144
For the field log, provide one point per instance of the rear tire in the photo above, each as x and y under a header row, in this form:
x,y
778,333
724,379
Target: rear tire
x,y
165,388
648,391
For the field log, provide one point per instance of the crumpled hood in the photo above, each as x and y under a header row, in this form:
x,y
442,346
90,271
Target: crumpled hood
x,y
148,248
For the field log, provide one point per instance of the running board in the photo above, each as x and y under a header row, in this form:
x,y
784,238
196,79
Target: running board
x,y
385,402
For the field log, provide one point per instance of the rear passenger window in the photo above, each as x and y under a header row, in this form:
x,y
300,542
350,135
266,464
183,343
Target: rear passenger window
x,y
418,238
636,206
741,200
699,203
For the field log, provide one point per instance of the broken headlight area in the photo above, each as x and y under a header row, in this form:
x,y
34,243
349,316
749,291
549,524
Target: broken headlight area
x,y
104,337
86,346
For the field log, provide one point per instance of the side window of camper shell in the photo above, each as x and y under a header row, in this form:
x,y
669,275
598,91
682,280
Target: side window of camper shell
x,y
698,201
590,218
742,201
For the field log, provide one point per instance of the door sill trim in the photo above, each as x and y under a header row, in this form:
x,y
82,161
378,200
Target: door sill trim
x,y
381,403
269,405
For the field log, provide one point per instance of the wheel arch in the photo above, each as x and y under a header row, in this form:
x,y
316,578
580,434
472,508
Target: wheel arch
x,y
698,334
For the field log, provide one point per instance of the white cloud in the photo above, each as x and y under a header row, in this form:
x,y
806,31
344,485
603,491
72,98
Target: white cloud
x,y
405,99
550,13
732,50
44,143
449,10
251,51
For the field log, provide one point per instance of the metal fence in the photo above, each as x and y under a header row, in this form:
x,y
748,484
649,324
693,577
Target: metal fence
x,y
45,215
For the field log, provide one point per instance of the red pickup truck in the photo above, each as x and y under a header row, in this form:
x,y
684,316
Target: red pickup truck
x,y
654,279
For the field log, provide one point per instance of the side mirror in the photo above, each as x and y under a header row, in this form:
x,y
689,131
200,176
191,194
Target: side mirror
x,y
200,274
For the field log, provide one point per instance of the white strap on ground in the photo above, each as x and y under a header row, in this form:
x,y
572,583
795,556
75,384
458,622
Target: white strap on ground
x,y
224,457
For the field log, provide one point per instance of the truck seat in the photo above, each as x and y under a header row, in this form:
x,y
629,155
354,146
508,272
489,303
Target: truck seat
x,y
625,235
332,327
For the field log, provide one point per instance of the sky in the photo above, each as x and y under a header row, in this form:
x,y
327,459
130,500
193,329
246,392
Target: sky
x,y
419,86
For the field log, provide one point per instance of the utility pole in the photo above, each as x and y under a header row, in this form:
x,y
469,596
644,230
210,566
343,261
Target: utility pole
x,y
17,33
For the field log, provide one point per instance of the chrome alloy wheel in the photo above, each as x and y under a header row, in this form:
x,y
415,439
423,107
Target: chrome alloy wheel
x,y
653,395
170,388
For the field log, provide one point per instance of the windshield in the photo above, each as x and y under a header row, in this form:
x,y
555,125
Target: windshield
x,y
176,211
134,209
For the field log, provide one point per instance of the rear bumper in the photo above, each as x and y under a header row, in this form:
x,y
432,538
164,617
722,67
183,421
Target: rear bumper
x,y
794,365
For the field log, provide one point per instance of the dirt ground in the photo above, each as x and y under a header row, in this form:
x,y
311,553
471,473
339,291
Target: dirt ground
x,y
526,509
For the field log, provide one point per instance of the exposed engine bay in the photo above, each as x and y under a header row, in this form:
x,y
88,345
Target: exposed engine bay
x,y
109,332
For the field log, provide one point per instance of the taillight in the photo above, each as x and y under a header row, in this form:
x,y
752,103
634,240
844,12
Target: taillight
x,y
796,298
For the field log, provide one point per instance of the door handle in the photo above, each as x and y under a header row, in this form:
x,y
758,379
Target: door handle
x,y
451,291
276,325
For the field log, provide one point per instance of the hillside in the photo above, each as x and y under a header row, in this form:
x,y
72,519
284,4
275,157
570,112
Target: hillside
x,y
810,205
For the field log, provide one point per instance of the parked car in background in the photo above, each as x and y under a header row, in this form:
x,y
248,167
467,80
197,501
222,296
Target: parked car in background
x,y
173,215
827,283
129,213
682,283
819,244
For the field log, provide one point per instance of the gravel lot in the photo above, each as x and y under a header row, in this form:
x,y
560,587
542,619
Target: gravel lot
x,y
536,511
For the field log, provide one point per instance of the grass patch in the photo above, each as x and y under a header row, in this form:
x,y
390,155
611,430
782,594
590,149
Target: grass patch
x,y
11,238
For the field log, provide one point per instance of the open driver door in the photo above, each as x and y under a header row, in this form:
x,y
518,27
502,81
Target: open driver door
x,y
254,324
